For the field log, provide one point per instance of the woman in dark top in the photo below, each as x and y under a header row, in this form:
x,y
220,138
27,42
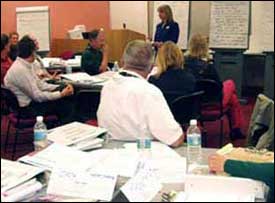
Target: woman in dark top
x,y
199,64
171,77
168,29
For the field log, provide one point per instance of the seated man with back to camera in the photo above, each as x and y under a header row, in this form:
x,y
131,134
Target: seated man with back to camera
x,y
35,96
95,58
130,107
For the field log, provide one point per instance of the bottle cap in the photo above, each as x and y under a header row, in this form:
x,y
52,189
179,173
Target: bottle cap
x,y
39,118
193,122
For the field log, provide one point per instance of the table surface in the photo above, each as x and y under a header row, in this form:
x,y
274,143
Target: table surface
x,y
121,181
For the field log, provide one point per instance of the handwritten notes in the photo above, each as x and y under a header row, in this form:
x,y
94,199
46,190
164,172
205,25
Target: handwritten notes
x,y
143,187
229,26
181,15
35,21
268,25
82,184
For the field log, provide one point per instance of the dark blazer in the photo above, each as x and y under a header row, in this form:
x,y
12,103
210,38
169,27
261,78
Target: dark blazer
x,y
175,81
201,69
167,32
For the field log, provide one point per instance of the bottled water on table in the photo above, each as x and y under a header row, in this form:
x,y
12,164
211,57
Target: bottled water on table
x,y
194,143
40,134
116,67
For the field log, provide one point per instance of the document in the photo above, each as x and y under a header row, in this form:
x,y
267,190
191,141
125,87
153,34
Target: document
x,y
15,173
74,133
82,184
78,77
58,156
88,144
143,187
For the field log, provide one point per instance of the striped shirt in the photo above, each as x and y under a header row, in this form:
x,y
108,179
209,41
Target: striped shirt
x,y
26,85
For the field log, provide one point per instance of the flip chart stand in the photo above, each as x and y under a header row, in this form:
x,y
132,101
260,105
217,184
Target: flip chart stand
x,y
229,64
269,75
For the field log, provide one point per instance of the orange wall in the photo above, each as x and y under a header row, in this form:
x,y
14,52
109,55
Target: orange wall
x,y
63,15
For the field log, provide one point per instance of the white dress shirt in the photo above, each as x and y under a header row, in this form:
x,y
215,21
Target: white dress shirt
x,y
22,80
130,107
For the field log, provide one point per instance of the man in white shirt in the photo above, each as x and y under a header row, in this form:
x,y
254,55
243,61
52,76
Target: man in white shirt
x,y
34,95
130,107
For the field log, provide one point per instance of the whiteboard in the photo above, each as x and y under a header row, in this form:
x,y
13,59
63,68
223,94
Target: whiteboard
x,y
229,24
267,25
181,16
133,13
35,21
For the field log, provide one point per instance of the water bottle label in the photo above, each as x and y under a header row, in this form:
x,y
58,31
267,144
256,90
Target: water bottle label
x,y
144,144
194,140
39,135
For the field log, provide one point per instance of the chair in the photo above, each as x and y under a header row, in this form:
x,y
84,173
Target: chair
x,y
17,119
186,108
212,104
86,105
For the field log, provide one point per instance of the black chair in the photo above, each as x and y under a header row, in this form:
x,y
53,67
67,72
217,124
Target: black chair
x,y
86,105
212,104
186,108
18,120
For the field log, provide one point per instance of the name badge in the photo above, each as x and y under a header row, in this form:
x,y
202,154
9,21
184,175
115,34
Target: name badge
x,y
168,27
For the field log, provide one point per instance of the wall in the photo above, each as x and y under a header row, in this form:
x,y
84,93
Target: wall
x,y
133,13
63,15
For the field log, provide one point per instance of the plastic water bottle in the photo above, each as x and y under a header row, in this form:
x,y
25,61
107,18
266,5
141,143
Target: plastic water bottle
x,y
40,134
144,145
194,143
116,67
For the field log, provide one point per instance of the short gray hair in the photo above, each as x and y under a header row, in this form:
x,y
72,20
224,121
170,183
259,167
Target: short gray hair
x,y
138,54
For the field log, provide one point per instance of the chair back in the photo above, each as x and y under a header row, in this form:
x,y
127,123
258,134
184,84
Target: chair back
x,y
10,99
186,108
86,104
213,91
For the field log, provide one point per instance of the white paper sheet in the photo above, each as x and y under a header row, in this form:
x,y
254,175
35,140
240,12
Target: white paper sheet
x,y
74,133
58,156
14,174
82,184
78,77
143,187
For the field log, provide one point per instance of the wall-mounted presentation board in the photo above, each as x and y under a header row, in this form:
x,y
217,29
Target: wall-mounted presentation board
x,y
230,24
181,10
35,21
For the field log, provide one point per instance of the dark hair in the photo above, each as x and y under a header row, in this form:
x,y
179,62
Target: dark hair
x,y
13,33
93,34
4,41
26,47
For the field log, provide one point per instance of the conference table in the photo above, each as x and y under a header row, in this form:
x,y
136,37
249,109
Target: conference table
x,y
167,188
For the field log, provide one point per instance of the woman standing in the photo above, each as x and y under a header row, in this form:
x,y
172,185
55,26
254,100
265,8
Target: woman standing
x,y
168,29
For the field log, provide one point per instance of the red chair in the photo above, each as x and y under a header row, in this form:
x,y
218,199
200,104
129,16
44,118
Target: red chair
x,y
212,104
19,121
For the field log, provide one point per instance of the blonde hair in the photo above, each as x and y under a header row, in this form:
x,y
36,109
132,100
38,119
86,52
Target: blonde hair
x,y
169,56
168,11
198,47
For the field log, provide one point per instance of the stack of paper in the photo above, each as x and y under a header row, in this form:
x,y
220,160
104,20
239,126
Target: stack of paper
x,y
18,181
83,184
78,135
58,156
52,62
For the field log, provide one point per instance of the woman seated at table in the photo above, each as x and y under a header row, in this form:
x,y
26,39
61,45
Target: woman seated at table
x,y
171,76
197,61
258,171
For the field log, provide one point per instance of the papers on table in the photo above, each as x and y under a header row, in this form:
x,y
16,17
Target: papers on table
x,y
82,184
78,135
143,187
221,189
18,180
78,77
58,156
52,62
